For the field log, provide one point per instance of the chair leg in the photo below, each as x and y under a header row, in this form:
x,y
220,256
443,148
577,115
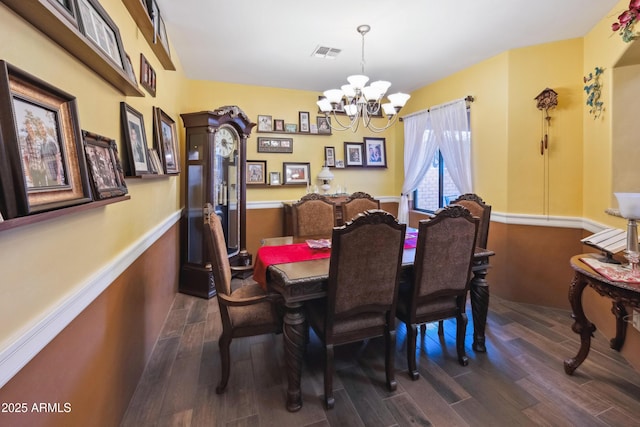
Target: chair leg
x,y
329,401
411,351
225,366
441,327
461,323
390,350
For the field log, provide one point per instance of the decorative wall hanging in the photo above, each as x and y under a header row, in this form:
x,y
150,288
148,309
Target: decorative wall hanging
x,y
546,100
593,89
627,21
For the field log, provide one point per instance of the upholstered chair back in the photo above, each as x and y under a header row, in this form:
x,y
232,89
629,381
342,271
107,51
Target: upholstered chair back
x,y
356,203
480,209
313,215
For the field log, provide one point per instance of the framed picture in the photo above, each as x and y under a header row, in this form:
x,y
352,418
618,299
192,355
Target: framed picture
x,y
67,9
98,27
129,70
264,124
41,155
165,140
278,125
154,160
147,76
274,178
275,145
303,121
135,139
353,154
107,177
340,164
330,156
291,127
256,172
375,152
324,124
295,173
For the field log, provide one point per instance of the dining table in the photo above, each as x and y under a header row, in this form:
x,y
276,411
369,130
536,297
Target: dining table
x,y
291,267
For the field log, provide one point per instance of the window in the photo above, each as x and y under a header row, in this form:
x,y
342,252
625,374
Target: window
x,y
436,189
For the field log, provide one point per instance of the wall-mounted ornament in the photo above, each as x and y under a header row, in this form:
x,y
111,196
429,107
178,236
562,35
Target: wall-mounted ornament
x,y
593,89
627,21
546,100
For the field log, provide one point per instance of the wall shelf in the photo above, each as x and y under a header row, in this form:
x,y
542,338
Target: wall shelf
x,y
43,216
138,12
294,133
44,16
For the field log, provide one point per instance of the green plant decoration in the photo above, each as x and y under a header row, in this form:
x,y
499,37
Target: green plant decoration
x,y
593,88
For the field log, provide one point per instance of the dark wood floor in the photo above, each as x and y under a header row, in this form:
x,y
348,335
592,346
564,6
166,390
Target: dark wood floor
x,y
519,381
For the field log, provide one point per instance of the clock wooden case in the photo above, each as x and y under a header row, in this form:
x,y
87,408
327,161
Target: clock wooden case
x,y
215,173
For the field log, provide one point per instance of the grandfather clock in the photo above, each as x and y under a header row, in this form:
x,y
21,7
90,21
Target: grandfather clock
x,y
215,174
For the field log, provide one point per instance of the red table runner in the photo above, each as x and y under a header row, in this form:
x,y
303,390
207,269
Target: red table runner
x,y
270,255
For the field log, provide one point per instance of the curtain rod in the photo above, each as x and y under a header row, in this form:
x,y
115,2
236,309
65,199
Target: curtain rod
x,y
469,98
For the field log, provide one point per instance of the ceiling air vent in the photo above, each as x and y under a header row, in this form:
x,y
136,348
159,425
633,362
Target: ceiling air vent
x,y
326,52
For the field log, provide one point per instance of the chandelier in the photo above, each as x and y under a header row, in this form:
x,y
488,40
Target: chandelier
x,y
359,102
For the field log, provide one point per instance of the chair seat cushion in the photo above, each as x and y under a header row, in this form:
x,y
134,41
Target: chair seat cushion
x,y
365,321
252,315
432,308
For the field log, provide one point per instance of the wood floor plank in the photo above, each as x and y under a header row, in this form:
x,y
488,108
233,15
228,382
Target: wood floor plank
x,y
519,381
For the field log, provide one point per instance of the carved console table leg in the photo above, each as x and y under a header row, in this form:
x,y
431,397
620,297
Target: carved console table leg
x,y
620,312
581,326
294,342
479,304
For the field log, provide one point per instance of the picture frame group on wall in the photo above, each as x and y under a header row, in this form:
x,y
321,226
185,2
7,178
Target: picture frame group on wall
x,y
135,139
296,173
275,145
42,163
165,140
159,27
107,176
256,172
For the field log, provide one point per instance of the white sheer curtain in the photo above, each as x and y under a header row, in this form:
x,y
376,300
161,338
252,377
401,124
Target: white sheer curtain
x,y
419,148
451,126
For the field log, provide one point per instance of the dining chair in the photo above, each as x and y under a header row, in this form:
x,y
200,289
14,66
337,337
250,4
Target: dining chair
x,y
480,209
313,215
441,276
356,203
246,311
362,290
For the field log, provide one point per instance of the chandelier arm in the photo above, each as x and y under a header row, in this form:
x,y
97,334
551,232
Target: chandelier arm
x,y
334,120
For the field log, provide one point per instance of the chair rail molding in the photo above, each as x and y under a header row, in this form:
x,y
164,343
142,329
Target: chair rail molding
x,y
30,340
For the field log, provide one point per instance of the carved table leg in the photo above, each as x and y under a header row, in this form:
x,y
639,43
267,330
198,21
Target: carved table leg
x,y
620,312
581,325
294,342
479,304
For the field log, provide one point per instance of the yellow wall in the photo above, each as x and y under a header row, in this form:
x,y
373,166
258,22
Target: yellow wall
x,y
285,104
44,264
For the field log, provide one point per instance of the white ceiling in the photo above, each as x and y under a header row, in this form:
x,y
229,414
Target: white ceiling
x,y
411,43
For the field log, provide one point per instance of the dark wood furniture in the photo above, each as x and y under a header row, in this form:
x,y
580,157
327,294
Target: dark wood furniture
x,y
303,281
438,288
362,290
215,173
623,294
245,312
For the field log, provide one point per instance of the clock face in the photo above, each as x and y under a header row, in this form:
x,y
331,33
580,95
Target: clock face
x,y
226,140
